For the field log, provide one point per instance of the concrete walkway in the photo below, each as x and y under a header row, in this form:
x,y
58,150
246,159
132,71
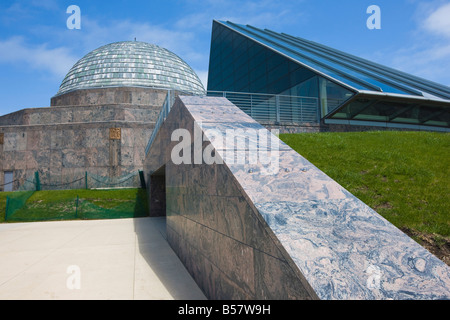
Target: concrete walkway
x,y
124,259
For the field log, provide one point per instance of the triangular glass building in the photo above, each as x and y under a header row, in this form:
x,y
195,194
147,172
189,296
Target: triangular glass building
x,y
342,89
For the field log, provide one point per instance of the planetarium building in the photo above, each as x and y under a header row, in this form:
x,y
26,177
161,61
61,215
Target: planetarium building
x,y
306,86
99,121
103,117
131,64
270,227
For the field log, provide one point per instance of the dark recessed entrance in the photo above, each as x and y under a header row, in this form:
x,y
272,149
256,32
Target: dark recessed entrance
x,y
158,193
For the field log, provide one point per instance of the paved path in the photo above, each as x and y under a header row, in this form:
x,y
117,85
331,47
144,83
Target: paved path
x,y
124,259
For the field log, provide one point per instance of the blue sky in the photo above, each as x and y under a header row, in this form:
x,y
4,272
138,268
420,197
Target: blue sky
x,y
37,49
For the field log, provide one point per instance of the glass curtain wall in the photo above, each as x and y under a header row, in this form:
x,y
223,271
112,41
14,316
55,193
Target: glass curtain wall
x,y
366,109
238,64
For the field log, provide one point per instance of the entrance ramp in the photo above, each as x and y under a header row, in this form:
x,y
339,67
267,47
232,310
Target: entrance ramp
x,y
273,226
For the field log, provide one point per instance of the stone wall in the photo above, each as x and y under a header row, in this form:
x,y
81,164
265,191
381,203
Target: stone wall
x,y
359,128
64,152
64,142
293,128
110,96
322,127
80,114
217,233
245,233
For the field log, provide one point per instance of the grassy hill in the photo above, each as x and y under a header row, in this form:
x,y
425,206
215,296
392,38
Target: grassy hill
x,y
404,176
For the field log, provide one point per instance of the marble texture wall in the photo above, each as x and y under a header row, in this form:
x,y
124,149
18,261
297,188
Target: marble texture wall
x,y
217,233
293,234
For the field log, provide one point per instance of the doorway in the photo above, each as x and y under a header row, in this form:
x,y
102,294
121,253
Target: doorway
x,y
158,193
8,180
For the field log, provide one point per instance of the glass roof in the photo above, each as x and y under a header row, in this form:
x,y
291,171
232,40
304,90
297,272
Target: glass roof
x,y
350,71
351,88
131,64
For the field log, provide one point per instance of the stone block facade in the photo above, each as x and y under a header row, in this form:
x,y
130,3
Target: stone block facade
x,y
108,96
64,141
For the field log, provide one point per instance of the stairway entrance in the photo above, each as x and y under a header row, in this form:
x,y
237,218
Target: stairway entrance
x,y
158,193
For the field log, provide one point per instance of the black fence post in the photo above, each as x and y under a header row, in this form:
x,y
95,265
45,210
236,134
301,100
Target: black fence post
x,y
6,210
76,208
38,182
142,178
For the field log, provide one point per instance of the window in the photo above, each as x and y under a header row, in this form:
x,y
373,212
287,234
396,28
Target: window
x,y
331,95
8,181
394,111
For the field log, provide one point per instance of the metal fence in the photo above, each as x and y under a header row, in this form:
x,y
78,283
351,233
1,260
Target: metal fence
x,y
261,107
167,105
39,181
274,108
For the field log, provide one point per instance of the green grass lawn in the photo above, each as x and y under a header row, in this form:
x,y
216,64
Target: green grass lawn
x,y
404,176
63,204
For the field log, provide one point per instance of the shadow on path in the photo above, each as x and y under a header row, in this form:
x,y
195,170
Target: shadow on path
x,y
154,248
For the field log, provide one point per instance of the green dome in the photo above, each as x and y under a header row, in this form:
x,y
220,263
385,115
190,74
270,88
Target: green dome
x,y
132,64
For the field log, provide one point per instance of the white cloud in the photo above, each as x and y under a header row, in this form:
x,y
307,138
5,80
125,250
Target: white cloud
x,y
95,33
185,36
46,4
438,21
122,30
429,63
183,42
428,53
56,60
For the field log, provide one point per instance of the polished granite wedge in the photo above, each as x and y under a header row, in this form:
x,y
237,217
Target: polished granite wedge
x,y
265,223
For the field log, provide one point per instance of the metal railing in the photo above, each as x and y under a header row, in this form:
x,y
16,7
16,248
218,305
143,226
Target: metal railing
x,y
274,108
167,105
333,104
261,107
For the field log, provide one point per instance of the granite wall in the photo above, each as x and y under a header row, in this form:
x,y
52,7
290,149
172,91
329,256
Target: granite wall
x,y
323,127
217,233
110,96
246,232
64,152
293,127
64,142
80,114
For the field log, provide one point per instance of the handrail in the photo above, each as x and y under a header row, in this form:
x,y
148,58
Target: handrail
x,y
262,107
167,105
274,107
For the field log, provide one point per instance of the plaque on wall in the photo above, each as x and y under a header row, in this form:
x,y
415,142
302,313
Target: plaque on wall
x,y
114,133
2,138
